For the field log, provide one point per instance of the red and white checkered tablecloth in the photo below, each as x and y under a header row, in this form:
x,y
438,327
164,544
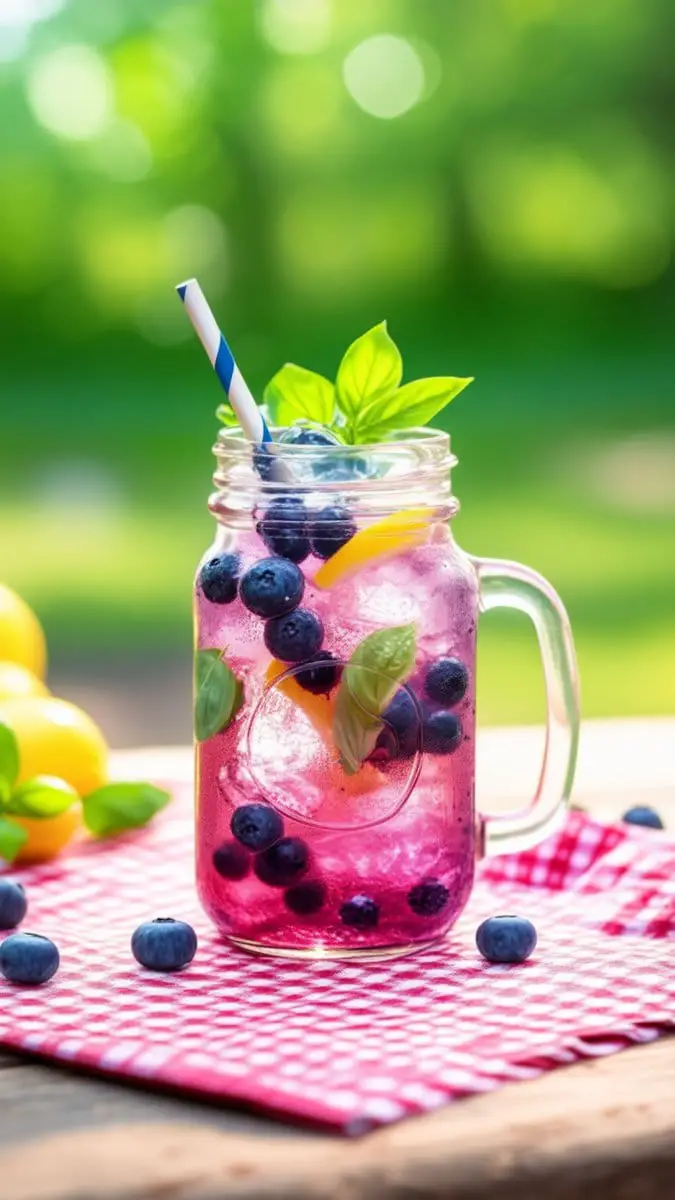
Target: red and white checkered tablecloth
x,y
351,1046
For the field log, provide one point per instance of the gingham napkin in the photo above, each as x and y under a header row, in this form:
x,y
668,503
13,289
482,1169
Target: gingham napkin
x,y
350,1046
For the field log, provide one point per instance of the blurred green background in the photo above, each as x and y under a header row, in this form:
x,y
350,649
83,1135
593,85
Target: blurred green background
x,y
495,177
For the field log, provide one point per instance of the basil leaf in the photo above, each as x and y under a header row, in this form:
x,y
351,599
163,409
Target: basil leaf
x,y
226,414
294,393
414,404
119,806
9,755
370,370
354,730
41,798
218,694
377,667
12,838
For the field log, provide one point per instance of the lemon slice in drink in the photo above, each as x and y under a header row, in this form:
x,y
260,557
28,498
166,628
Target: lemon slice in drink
x,y
397,532
319,709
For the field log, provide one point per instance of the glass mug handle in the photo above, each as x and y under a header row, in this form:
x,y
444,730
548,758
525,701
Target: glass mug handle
x,y
511,585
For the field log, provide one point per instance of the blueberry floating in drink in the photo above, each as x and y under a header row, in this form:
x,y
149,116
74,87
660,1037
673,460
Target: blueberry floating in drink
x,y
361,912
428,898
272,587
28,959
256,826
284,863
320,673
401,733
305,899
219,578
446,681
283,529
506,939
164,944
441,732
331,528
295,637
232,861
307,435
13,904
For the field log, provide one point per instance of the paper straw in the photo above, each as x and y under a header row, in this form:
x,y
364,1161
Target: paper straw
x,y
222,360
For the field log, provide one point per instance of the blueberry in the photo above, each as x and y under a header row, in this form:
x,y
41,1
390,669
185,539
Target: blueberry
x,y
13,905
283,863
272,587
361,912
295,637
342,468
642,815
330,529
506,939
428,898
402,720
263,461
441,732
306,898
283,529
308,437
232,861
447,680
28,958
219,578
320,674
164,944
257,826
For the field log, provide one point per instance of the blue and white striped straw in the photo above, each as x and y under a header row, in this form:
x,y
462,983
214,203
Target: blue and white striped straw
x,y
222,360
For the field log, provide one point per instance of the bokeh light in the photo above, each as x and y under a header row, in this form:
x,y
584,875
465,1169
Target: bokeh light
x,y
16,20
122,152
559,210
70,91
384,75
296,26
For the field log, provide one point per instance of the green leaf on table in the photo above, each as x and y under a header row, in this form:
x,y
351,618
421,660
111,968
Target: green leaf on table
x,y
41,798
412,405
9,755
226,414
295,393
218,694
376,669
12,838
117,807
370,370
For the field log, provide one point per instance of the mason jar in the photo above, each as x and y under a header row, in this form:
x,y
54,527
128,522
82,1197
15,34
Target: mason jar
x,y
336,622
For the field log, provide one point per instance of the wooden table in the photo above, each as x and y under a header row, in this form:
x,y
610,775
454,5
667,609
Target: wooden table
x,y
604,1129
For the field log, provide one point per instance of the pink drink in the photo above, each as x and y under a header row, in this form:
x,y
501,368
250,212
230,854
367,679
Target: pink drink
x,y
389,850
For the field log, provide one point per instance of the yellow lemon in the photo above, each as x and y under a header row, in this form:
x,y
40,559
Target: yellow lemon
x,y
48,836
319,709
21,637
57,738
18,683
397,532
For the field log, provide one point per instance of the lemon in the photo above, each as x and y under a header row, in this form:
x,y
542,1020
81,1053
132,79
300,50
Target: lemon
x,y
18,683
319,709
48,836
21,638
57,738
397,532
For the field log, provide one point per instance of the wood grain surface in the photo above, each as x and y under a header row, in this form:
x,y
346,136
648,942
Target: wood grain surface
x,y
603,1129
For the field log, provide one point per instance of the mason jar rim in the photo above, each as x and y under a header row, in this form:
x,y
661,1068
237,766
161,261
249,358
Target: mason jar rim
x,y
417,462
